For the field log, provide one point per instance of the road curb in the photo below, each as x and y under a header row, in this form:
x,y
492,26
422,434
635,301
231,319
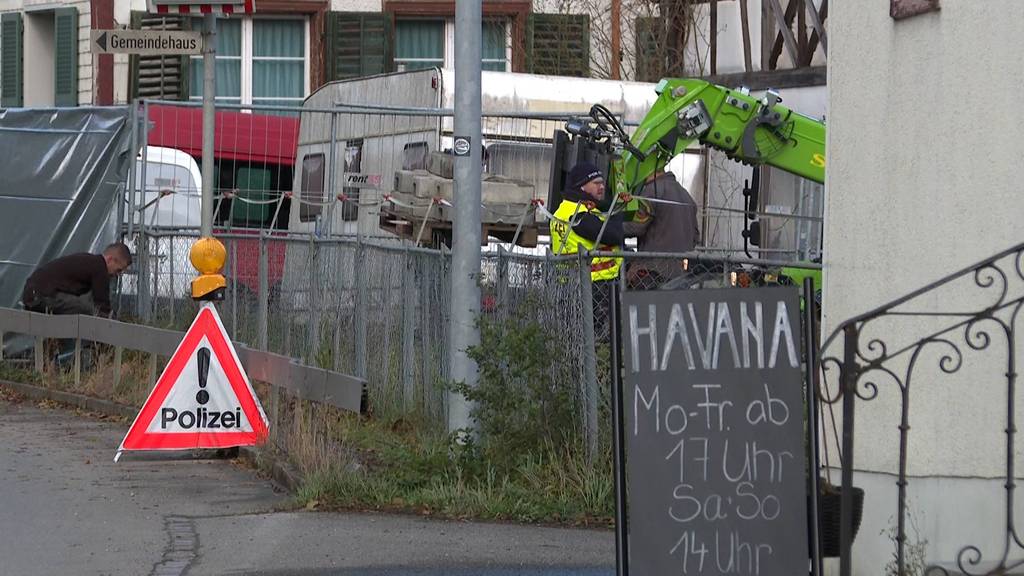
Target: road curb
x,y
280,473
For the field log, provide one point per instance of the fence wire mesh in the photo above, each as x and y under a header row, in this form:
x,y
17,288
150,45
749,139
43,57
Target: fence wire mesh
x,y
308,207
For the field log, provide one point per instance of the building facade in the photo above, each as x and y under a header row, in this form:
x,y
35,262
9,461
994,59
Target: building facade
x,y
291,47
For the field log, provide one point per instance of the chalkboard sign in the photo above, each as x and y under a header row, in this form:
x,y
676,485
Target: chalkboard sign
x,y
714,432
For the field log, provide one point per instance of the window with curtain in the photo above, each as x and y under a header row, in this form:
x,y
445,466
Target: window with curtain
x,y
259,61
495,41
419,44
427,43
278,62
229,63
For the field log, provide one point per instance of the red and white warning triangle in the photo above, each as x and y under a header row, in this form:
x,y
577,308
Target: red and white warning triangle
x,y
203,398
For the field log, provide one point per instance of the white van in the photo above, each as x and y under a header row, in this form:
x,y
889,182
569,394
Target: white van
x,y
170,200
172,195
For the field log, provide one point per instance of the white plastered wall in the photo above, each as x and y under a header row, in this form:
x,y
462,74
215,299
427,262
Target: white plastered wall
x,y
923,146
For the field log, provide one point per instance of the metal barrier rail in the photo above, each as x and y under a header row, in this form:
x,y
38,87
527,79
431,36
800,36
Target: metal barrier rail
x,y
304,382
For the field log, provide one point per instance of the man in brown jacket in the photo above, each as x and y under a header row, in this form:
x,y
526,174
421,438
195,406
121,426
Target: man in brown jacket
x,y
60,286
666,224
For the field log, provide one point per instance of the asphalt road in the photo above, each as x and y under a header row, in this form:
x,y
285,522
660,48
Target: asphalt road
x,y
66,508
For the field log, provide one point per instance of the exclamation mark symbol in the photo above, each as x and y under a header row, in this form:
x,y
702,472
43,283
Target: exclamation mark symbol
x,y
203,362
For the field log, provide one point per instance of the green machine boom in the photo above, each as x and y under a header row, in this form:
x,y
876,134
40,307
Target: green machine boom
x,y
754,131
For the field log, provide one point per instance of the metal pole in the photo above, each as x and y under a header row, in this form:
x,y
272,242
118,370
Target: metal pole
x,y
140,275
849,383
235,285
263,293
329,227
408,331
465,303
209,118
313,336
172,294
133,172
589,356
618,415
360,280
811,378
142,295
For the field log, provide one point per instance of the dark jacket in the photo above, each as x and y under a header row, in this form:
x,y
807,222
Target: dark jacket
x,y
74,274
670,228
589,225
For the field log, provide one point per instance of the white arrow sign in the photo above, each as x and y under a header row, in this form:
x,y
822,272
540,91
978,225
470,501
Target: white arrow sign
x,y
146,42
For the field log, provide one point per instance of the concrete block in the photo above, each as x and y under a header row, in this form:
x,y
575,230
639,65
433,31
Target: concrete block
x,y
441,164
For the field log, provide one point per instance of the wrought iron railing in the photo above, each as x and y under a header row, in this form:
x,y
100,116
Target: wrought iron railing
x,y
995,289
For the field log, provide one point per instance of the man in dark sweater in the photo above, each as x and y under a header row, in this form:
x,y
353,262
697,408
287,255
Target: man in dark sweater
x,y
668,224
60,286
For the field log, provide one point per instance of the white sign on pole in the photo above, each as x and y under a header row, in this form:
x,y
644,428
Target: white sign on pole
x,y
145,42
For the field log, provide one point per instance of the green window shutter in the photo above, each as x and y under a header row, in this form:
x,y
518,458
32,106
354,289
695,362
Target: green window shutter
x,y
558,44
12,83
651,38
65,56
358,44
159,77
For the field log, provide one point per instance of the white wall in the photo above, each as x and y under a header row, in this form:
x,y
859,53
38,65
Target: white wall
x,y
924,143
39,48
38,51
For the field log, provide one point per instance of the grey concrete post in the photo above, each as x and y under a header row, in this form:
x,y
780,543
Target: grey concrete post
x,y
589,384
465,295
263,293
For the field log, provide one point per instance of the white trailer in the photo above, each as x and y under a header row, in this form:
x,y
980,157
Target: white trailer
x,y
385,124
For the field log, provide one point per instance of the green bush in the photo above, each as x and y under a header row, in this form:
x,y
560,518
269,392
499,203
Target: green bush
x,y
520,407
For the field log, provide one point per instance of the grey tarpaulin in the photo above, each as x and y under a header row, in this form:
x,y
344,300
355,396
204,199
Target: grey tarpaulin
x,y
62,172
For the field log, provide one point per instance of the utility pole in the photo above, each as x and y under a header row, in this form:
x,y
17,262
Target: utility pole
x,y
209,117
465,272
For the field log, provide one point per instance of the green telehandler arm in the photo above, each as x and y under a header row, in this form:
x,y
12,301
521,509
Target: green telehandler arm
x,y
750,130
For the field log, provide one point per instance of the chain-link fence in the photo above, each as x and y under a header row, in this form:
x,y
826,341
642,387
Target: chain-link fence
x,y
380,310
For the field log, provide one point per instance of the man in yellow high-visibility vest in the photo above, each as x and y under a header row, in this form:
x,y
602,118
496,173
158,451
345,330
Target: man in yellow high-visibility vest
x,y
577,225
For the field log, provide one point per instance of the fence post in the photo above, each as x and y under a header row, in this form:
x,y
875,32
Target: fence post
x,y
171,293
503,263
78,362
408,329
117,368
589,388
152,370
359,277
132,177
313,328
142,292
38,354
263,293
234,288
